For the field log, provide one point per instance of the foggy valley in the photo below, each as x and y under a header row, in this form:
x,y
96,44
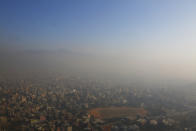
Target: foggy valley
x,y
97,65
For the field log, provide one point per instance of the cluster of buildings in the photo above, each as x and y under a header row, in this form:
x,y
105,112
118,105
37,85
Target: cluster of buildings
x,y
63,104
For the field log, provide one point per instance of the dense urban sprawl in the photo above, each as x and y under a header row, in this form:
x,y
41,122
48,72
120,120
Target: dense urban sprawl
x,y
64,104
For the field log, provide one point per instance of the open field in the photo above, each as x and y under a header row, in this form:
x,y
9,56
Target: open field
x,y
117,112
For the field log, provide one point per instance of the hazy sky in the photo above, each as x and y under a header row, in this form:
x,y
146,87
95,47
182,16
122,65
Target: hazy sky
x,y
151,37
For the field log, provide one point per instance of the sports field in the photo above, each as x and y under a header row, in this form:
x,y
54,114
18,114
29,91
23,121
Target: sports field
x,y
118,112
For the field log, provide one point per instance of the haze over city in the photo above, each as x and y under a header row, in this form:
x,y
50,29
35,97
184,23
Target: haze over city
x,y
129,38
136,43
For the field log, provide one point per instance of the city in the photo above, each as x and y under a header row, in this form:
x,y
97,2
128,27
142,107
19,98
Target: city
x,y
72,103
97,65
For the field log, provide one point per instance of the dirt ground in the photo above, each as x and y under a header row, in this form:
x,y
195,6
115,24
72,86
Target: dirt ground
x,y
117,112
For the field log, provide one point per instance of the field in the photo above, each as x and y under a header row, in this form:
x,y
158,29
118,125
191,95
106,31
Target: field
x,y
118,112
